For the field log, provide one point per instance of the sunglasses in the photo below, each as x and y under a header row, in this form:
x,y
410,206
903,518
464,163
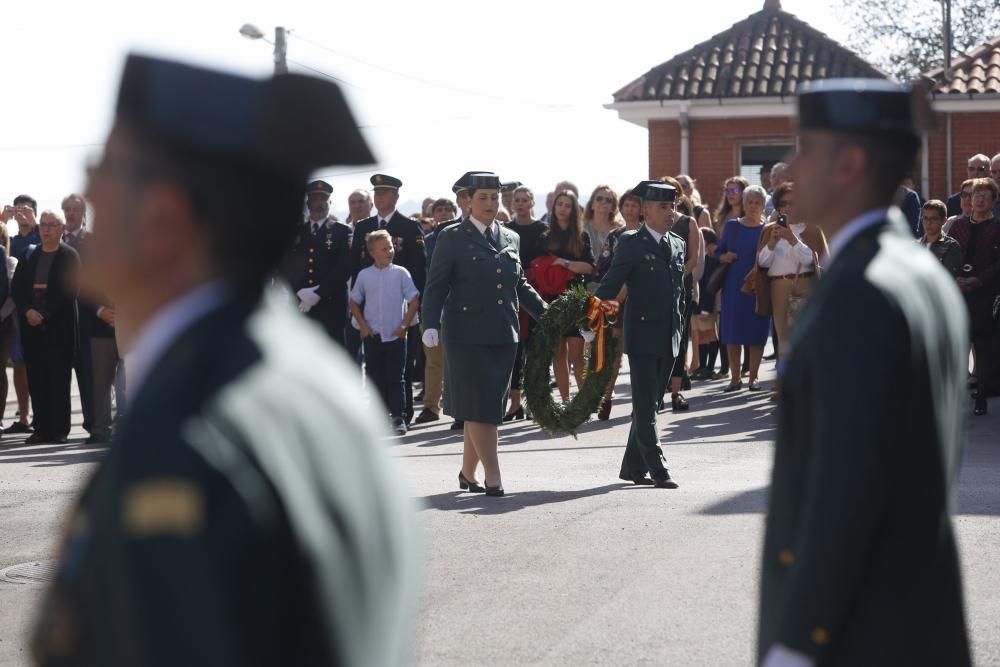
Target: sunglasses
x,y
601,199
734,191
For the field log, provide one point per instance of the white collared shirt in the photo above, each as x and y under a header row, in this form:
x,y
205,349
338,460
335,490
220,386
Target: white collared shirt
x,y
657,236
163,328
316,225
382,222
845,234
787,259
483,227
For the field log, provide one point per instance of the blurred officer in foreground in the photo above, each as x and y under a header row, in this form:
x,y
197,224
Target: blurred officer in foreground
x,y
860,563
245,513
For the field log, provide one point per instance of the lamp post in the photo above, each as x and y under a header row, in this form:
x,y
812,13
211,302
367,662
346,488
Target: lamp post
x,y
251,31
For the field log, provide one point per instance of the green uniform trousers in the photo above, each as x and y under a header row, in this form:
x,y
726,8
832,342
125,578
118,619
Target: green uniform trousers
x,y
642,454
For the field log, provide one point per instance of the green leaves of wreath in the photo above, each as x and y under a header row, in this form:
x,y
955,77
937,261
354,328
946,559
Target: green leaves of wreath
x,y
565,313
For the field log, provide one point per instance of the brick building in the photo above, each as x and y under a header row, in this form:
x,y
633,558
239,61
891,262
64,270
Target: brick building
x,y
967,103
727,105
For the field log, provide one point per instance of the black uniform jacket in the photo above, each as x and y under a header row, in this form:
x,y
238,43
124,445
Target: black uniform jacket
x,y
859,563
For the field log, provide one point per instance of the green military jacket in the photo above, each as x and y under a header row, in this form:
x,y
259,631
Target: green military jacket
x,y
474,290
654,275
859,562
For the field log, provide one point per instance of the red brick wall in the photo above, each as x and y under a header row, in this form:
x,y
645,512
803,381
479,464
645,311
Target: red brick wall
x,y
971,133
714,148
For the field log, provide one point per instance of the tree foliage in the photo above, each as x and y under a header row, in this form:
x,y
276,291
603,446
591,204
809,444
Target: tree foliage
x,y
905,38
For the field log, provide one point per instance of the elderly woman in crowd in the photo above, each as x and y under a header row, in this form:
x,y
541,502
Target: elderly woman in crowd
x,y
964,201
567,241
979,236
741,325
789,250
475,287
946,249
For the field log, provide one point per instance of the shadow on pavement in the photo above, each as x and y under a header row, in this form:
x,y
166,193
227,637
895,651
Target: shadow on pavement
x,y
746,502
47,456
478,503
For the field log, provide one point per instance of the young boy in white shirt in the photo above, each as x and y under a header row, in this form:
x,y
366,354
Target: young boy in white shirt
x,y
384,301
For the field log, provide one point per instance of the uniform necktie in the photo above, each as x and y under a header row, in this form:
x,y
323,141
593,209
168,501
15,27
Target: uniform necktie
x,y
381,223
490,239
315,228
666,247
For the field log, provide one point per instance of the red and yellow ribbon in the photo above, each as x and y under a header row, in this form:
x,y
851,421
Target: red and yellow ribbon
x,y
597,313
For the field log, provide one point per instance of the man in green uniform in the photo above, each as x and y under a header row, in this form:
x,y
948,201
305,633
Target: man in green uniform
x,y
650,262
246,513
860,565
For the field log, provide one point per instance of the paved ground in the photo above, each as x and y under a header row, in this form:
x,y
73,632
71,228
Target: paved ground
x,y
572,566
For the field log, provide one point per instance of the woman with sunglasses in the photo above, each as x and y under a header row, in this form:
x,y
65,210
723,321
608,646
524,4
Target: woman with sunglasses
x,y
630,207
601,216
789,250
571,246
964,201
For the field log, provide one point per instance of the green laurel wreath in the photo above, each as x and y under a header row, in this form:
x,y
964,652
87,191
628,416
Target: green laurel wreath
x,y
566,312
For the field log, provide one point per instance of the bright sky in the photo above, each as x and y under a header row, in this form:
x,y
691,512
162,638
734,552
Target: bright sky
x,y
440,86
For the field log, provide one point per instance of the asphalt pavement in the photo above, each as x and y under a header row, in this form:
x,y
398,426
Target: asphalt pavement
x,y
573,566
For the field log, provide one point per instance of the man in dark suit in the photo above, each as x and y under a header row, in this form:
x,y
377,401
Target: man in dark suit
x,y
319,264
74,208
246,449
45,289
408,241
859,562
650,262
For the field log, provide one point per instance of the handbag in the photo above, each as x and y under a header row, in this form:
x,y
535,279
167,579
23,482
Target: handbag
x,y
749,285
718,278
795,301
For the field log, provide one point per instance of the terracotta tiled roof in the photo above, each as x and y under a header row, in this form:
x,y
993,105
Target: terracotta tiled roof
x,y
767,54
973,74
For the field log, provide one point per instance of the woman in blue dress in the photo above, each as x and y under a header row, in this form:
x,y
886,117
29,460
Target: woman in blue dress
x,y
741,325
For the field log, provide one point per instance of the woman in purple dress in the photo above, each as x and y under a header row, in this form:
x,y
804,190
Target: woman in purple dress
x,y
741,325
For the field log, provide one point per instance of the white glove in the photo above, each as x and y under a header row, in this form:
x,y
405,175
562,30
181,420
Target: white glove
x,y
430,338
307,298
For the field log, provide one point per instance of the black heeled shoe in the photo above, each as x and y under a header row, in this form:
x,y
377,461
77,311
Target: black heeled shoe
x,y
517,414
495,491
465,485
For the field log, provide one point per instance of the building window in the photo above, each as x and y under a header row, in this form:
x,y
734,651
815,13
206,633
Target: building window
x,y
757,157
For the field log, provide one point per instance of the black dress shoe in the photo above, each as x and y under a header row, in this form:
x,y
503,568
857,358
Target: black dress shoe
x,y
37,438
637,478
495,491
426,416
60,440
517,414
679,403
17,427
465,485
97,440
664,481
457,425
980,408
733,387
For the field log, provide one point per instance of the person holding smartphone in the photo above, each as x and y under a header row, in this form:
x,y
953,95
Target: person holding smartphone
x,y
789,250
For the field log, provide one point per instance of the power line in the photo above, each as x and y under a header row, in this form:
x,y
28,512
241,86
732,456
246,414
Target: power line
x,y
327,75
423,81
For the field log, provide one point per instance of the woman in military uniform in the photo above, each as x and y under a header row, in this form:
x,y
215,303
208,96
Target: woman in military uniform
x,y
475,287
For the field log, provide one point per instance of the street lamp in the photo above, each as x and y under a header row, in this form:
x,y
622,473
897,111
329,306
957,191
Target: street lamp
x,y
251,31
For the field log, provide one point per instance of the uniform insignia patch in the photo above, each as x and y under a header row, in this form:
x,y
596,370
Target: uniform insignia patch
x,y
166,506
